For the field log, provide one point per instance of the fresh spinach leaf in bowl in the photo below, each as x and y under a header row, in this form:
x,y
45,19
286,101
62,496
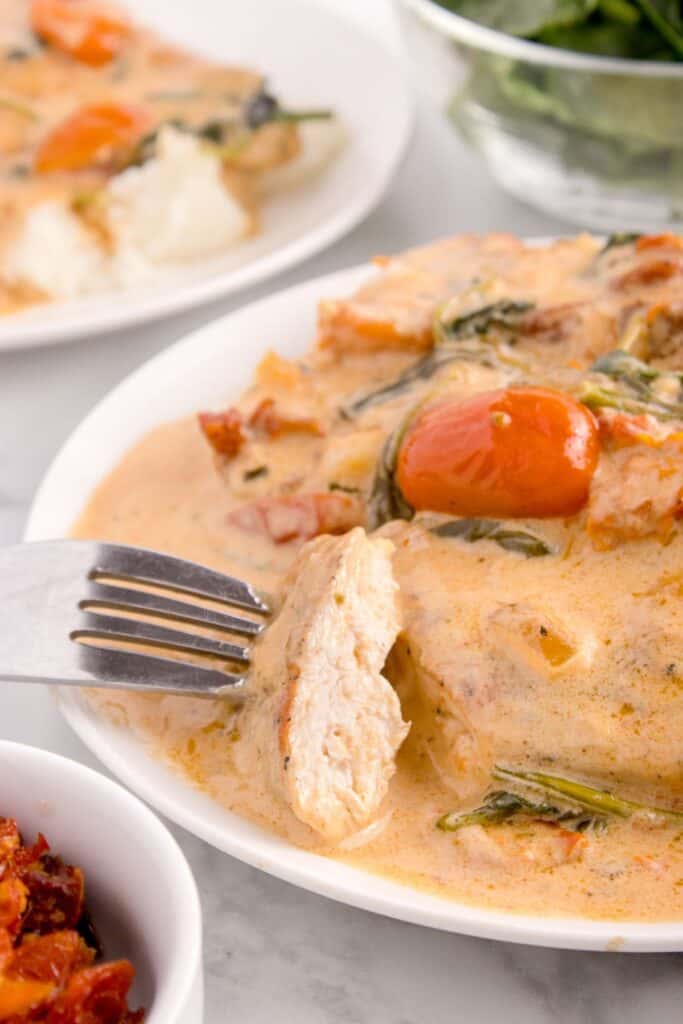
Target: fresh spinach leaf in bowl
x,y
616,124
637,29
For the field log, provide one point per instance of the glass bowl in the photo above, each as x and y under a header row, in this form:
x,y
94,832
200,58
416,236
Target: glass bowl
x,y
594,140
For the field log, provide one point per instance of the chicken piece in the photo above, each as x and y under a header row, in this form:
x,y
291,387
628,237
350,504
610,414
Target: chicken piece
x,y
665,334
621,429
396,308
326,725
569,662
636,492
579,331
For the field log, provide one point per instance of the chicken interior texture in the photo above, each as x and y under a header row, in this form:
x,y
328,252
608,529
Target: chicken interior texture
x,y
522,747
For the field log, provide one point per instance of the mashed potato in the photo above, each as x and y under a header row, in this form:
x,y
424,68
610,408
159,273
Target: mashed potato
x,y
56,254
175,207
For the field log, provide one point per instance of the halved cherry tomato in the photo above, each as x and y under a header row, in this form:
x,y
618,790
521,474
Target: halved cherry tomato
x,y
511,453
90,137
88,30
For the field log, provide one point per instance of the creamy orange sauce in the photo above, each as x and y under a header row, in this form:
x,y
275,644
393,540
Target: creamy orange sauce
x,y
571,664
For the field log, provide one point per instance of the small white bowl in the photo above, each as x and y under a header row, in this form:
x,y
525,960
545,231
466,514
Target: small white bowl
x,y
139,888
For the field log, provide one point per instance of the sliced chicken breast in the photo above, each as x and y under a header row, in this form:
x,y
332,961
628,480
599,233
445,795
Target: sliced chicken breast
x,y
326,724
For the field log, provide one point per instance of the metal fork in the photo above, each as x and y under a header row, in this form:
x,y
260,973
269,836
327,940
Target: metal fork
x,y
64,618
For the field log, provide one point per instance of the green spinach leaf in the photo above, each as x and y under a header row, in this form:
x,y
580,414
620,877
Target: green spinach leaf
x,y
471,530
619,381
463,337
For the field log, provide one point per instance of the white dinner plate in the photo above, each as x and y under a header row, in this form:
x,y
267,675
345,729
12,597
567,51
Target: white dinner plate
x,y
208,369
312,58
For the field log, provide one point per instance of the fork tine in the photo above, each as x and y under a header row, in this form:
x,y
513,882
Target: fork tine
x,y
117,669
109,627
166,607
155,569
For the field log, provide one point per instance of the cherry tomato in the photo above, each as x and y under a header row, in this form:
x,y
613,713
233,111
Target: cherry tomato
x,y
88,30
91,136
511,453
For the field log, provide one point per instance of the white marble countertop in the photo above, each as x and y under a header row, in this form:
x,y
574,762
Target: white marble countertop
x,y
273,952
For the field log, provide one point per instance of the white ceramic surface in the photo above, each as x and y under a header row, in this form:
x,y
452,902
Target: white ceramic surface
x,y
139,888
306,52
203,371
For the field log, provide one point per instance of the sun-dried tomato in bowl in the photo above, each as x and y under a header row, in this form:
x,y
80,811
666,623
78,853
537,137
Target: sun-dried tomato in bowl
x,y
48,946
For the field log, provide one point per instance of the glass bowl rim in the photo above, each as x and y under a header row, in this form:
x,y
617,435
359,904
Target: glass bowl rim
x,y
481,37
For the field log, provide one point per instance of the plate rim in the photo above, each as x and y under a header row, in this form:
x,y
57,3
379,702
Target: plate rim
x,y
308,870
18,333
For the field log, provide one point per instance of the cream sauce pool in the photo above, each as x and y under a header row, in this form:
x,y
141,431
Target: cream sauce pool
x,y
570,664
167,494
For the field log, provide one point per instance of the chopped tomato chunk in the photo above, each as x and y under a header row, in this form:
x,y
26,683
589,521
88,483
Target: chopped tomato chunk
x,y
225,431
272,421
648,273
570,845
520,452
50,958
21,1000
637,492
299,516
13,900
9,838
95,995
88,30
47,944
55,894
6,949
666,240
91,137
621,429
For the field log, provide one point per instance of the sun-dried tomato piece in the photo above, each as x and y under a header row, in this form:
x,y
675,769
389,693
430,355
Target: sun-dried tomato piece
x,y
289,517
91,32
269,419
225,431
27,855
48,944
648,273
6,949
13,902
23,1000
666,240
52,958
95,995
10,840
621,429
55,894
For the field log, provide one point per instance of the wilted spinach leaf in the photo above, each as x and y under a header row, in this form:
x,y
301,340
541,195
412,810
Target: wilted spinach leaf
x,y
520,541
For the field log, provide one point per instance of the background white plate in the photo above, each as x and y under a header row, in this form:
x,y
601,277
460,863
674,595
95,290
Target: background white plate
x,y
210,367
312,59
